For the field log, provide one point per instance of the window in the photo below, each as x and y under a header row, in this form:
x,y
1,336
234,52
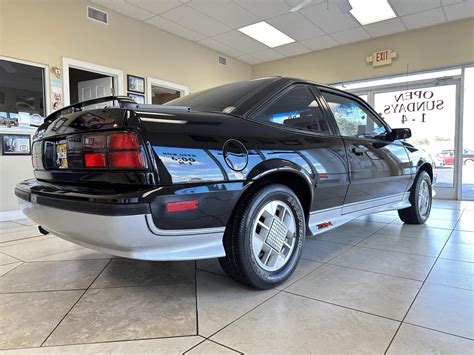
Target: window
x,y
222,98
353,119
22,95
296,108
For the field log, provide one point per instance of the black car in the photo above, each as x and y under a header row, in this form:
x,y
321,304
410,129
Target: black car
x,y
242,172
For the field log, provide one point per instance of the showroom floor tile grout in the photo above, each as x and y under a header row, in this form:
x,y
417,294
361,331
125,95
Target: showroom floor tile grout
x,y
12,256
375,272
226,346
244,314
419,290
19,264
75,303
103,342
98,288
42,291
342,306
437,330
462,261
212,341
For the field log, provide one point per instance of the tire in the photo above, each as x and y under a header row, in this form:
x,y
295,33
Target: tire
x,y
249,257
421,199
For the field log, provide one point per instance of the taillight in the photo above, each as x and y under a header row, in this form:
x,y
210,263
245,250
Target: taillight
x,y
121,150
95,160
124,141
126,159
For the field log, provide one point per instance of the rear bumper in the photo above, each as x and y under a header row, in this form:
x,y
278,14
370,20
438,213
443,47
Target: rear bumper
x,y
122,230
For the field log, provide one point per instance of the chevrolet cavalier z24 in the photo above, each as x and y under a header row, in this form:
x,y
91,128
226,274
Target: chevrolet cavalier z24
x,y
241,172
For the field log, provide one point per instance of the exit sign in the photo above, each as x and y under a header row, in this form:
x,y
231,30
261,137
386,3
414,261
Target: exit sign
x,y
381,57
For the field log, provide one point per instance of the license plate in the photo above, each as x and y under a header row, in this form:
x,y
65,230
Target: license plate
x,y
61,156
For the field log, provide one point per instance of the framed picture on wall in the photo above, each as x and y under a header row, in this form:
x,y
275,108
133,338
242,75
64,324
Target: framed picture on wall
x,y
16,144
136,84
139,99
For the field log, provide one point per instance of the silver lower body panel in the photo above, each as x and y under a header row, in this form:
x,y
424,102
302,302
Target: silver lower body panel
x,y
126,236
335,217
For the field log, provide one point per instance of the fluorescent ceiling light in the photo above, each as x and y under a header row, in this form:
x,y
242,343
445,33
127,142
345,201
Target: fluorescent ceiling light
x,y
266,34
370,11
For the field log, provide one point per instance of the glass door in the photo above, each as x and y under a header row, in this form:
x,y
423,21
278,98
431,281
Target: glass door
x,y
431,111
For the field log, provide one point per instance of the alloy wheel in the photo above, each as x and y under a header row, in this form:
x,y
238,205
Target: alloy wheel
x,y
424,199
273,235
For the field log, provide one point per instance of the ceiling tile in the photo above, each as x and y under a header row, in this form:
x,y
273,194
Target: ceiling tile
x,y
296,26
405,7
319,43
265,8
154,6
174,28
196,21
225,11
244,43
125,8
459,11
386,27
350,36
221,47
249,59
268,55
424,19
292,49
329,18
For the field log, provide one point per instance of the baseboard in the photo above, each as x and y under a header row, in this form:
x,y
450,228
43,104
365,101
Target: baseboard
x,y
11,215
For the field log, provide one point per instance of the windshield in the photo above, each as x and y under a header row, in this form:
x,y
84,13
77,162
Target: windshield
x,y
223,97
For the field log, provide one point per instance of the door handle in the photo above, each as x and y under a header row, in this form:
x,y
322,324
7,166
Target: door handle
x,y
357,151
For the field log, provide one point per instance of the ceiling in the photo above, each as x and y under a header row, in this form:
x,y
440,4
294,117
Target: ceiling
x,y
318,25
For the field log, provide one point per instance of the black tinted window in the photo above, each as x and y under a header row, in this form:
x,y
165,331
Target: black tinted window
x,y
222,97
296,108
352,118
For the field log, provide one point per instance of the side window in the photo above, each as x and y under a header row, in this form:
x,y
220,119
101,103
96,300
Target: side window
x,y
296,108
352,118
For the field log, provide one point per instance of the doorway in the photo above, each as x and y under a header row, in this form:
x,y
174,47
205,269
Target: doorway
x,y
431,111
430,105
161,91
161,95
85,85
85,81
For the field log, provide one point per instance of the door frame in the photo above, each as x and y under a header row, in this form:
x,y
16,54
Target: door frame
x,y
116,74
441,192
151,81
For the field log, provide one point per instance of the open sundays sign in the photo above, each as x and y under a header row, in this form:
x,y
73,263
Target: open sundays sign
x,y
429,112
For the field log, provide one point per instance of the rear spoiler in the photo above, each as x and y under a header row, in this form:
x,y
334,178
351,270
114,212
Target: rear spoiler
x,y
123,102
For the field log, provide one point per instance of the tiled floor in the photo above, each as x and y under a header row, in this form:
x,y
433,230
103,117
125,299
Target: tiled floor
x,y
372,286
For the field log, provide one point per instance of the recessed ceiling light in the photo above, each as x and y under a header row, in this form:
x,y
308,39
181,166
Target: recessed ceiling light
x,y
266,34
370,11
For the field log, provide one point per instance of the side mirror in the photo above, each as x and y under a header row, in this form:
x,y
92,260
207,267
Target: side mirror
x,y
400,133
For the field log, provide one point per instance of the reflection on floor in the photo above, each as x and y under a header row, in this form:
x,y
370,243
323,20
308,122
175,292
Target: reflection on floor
x,y
372,286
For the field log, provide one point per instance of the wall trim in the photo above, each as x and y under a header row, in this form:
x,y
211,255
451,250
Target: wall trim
x,y
79,64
